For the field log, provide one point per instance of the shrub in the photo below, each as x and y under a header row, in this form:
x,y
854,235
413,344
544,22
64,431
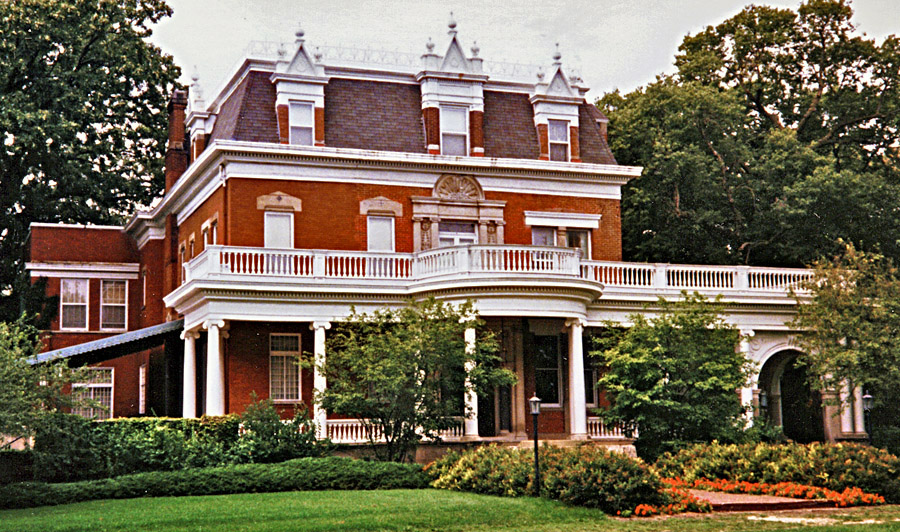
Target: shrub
x,y
15,465
302,474
584,476
266,438
834,466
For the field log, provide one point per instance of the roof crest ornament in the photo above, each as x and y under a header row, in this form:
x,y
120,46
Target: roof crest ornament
x,y
299,34
452,25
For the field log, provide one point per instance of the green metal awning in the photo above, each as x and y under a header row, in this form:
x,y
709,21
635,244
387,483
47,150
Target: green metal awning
x,y
114,346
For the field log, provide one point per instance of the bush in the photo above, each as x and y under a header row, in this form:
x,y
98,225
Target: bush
x,y
834,466
15,465
266,438
302,474
584,476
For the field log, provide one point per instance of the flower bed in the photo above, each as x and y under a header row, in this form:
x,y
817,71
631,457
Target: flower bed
x,y
851,496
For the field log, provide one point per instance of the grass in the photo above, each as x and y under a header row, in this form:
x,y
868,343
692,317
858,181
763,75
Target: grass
x,y
402,510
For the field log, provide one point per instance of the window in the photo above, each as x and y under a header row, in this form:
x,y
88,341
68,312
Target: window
x,y
454,131
380,232
112,304
142,389
181,256
214,232
301,121
543,236
284,370
191,253
205,235
456,233
95,394
559,140
74,301
546,369
144,289
581,239
279,230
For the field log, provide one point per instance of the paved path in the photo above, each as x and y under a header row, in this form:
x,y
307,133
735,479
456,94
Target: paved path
x,y
740,502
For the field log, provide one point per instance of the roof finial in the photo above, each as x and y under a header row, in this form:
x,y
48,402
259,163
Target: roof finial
x,y
452,25
429,45
195,75
299,33
475,49
318,55
540,74
557,56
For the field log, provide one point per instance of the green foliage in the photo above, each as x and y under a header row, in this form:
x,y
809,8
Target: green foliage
x,y
673,378
69,447
27,391
773,140
586,475
301,474
16,465
833,466
402,371
83,120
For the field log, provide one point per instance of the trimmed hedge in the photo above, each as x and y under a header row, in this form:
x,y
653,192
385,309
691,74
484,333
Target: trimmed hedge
x,y
585,475
835,466
302,474
15,465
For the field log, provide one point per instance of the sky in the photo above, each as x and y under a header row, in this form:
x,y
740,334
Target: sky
x,y
612,43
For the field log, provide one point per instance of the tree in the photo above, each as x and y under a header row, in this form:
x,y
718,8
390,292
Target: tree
x,y
27,391
775,138
674,378
403,372
82,115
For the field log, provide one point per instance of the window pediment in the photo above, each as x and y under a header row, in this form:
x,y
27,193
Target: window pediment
x,y
457,187
278,201
380,205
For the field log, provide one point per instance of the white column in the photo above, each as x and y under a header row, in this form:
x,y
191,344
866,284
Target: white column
x,y
189,389
577,405
215,369
471,429
747,391
320,416
847,400
858,412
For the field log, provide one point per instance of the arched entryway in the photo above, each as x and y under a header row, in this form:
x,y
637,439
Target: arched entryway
x,y
790,401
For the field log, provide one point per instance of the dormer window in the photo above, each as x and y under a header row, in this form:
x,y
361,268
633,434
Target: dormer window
x,y
559,140
301,121
454,131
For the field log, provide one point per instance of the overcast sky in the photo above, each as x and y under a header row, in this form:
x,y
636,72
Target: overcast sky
x,y
613,43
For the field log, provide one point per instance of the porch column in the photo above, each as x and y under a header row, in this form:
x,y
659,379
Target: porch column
x,y
747,392
577,405
189,388
859,415
320,416
215,369
471,429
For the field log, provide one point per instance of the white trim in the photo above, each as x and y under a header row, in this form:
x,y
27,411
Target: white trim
x,y
102,328
142,389
85,270
569,220
87,304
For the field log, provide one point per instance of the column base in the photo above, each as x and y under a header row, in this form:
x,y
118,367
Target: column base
x,y
579,437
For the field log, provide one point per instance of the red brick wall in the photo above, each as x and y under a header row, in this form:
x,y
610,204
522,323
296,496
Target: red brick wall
x,y
81,244
214,205
544,141
432,117
152,262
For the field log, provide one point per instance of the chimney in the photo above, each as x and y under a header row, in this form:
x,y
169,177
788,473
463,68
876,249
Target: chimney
x,y
176,151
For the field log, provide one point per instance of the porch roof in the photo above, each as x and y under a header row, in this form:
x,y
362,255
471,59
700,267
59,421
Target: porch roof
x,y
114,346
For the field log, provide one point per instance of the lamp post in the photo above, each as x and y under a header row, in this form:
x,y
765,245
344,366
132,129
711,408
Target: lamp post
x,y
867,403
763,404
535,404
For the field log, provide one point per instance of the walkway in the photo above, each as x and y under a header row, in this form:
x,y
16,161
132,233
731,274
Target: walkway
x,y
740,502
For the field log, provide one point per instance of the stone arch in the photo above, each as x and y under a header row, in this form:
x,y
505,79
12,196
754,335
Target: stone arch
x,y
792,404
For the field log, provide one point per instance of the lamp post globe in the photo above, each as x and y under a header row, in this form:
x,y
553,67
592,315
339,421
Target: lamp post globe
x,y
535,405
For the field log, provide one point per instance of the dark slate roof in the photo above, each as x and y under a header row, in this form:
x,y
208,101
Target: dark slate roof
x,y
249,112
113,346
374,115
509,126
594,148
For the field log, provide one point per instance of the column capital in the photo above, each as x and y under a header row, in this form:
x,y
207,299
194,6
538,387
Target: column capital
x,y
320,325
750,333
580,322
193,335
218,324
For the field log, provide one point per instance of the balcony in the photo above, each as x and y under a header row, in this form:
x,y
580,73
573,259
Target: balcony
x,y
484,266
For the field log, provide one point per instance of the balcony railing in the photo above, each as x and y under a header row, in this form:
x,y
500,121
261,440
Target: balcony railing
x,y
354,431
460,261
598,431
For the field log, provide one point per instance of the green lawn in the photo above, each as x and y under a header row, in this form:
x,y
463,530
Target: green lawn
x,y
397,510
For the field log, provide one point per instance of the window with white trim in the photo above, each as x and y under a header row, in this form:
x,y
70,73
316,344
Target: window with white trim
x,y
142,389
144,288
454,130
279,229
546,369
558,131
380,233
301,120
543,236
95,394
74,304
284,367
113,307
581,239
214,232
456,233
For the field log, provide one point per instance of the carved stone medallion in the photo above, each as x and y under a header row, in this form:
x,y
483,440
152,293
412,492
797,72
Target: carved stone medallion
x,y
451,186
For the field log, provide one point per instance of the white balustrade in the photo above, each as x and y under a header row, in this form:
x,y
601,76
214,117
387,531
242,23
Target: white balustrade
x,y
598,431
355,431
723,279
